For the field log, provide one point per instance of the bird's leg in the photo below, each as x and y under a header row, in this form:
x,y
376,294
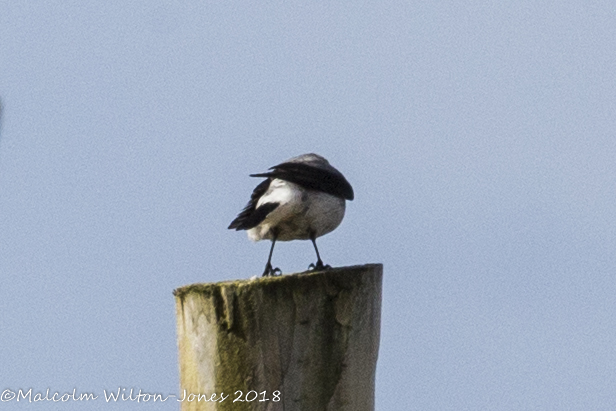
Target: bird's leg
x,y
268,267
319,265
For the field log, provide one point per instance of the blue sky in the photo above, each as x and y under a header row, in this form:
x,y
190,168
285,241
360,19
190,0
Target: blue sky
x,y
478,137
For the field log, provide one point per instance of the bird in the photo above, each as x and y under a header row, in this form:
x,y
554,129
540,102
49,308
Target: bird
x,y
302,198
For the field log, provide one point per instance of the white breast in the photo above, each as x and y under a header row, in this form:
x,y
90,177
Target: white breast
x,y
300,212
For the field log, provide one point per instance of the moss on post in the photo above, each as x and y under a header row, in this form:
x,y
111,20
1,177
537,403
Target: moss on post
x,y
309,340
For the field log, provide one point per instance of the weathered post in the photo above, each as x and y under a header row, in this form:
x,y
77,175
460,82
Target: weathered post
x,y
302,342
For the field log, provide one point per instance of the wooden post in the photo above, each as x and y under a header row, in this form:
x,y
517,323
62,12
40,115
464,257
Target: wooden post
x,y
305,342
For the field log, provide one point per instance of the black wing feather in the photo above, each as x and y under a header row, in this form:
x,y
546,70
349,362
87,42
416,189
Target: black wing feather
x,y
313,178
251,216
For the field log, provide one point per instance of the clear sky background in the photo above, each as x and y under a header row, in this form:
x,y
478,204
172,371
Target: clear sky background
x,y
479,136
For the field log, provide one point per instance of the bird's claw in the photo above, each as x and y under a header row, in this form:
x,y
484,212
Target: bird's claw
x,y
269,271
319,266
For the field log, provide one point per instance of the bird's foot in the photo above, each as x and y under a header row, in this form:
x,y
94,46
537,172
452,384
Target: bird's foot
x,y
269,271
319,266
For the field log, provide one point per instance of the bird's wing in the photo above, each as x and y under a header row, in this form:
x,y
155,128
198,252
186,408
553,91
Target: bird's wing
x,y
251,216
329,181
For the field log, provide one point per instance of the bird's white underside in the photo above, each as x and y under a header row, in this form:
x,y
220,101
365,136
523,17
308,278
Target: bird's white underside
x,y
301,211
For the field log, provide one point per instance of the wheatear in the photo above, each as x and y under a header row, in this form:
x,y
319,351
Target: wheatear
x,y
301,199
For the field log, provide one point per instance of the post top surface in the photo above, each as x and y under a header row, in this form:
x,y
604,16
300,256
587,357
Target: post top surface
x,y
293,277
